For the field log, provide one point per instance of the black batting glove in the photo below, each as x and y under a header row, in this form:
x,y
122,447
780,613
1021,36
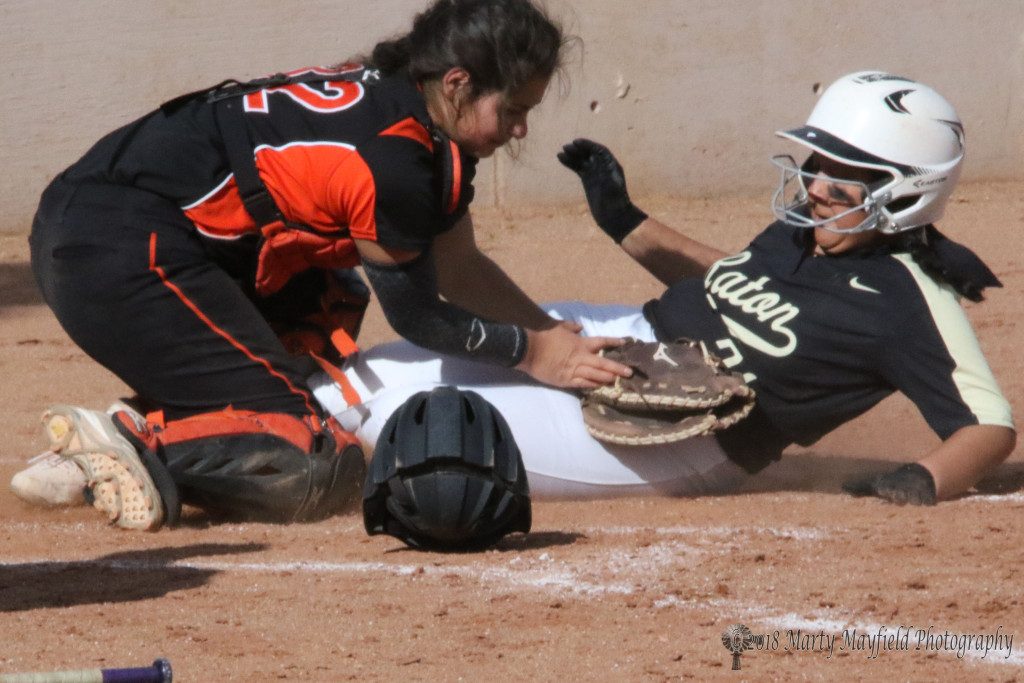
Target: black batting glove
x,y
605,186
910,484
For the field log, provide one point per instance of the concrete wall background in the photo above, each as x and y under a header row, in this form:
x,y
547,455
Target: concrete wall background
x,y
686,92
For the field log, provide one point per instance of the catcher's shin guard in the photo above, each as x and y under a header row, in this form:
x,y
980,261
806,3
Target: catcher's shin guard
x,y
269,467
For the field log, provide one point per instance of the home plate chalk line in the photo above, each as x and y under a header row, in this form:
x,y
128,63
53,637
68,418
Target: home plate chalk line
x,y
614,571
589,576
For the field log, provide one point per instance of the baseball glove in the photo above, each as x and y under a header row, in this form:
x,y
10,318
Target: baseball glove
x,y
677,391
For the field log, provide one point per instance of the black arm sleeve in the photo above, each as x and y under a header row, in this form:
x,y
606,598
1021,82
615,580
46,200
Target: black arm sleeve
x,y
408,293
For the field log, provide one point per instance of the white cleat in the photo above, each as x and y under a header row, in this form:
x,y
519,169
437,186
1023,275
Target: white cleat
x,y
119,482
50,481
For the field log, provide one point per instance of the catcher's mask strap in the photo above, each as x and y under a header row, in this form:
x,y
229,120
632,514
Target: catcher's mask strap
x,y
449,164
259,203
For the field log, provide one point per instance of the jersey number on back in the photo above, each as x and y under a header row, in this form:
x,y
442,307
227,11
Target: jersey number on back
x,y
324,96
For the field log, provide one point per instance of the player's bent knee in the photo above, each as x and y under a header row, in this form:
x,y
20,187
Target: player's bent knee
x,y
270,467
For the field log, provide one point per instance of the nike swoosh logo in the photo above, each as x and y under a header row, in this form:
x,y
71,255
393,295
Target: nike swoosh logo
x,y
856,284
477,335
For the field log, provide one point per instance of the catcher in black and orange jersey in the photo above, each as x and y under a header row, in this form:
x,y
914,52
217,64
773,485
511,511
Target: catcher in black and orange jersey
x,y
181,247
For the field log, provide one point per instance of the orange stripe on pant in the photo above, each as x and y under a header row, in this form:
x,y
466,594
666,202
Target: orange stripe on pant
x,y
209,323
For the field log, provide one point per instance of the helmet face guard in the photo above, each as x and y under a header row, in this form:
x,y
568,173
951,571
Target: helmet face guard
x,y
884,123
791,200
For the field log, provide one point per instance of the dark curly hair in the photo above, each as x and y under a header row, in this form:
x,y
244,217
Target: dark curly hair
x,y
919,243
502,44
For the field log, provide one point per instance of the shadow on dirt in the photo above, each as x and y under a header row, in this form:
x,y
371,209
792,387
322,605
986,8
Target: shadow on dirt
x,y
536,540
1009,478
825,474
510,543
120,577
17,286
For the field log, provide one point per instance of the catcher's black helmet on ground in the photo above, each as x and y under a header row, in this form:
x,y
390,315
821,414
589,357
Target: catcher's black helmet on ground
x,y
446,474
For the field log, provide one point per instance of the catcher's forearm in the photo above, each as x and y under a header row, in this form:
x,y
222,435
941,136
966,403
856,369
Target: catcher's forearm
x,y
484,288
470,279
967,456
667,254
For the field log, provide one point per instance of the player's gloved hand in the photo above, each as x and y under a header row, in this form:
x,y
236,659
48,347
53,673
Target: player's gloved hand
x,y
911,483
605,186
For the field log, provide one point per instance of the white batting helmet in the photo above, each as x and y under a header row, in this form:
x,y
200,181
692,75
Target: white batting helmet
x,y
885,123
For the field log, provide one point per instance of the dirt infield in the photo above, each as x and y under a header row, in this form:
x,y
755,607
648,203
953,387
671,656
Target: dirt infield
x,y
630,589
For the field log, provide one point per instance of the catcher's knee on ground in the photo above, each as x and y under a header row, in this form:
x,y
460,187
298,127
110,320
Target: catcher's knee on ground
x,y
270,467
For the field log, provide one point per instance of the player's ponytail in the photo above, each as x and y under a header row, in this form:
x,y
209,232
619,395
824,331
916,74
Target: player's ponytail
x,y
389,56
947,262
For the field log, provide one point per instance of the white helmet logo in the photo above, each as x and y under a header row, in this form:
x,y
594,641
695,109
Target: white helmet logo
x,y
895,101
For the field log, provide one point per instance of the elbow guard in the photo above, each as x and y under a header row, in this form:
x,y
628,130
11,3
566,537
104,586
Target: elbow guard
x,y
412,305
